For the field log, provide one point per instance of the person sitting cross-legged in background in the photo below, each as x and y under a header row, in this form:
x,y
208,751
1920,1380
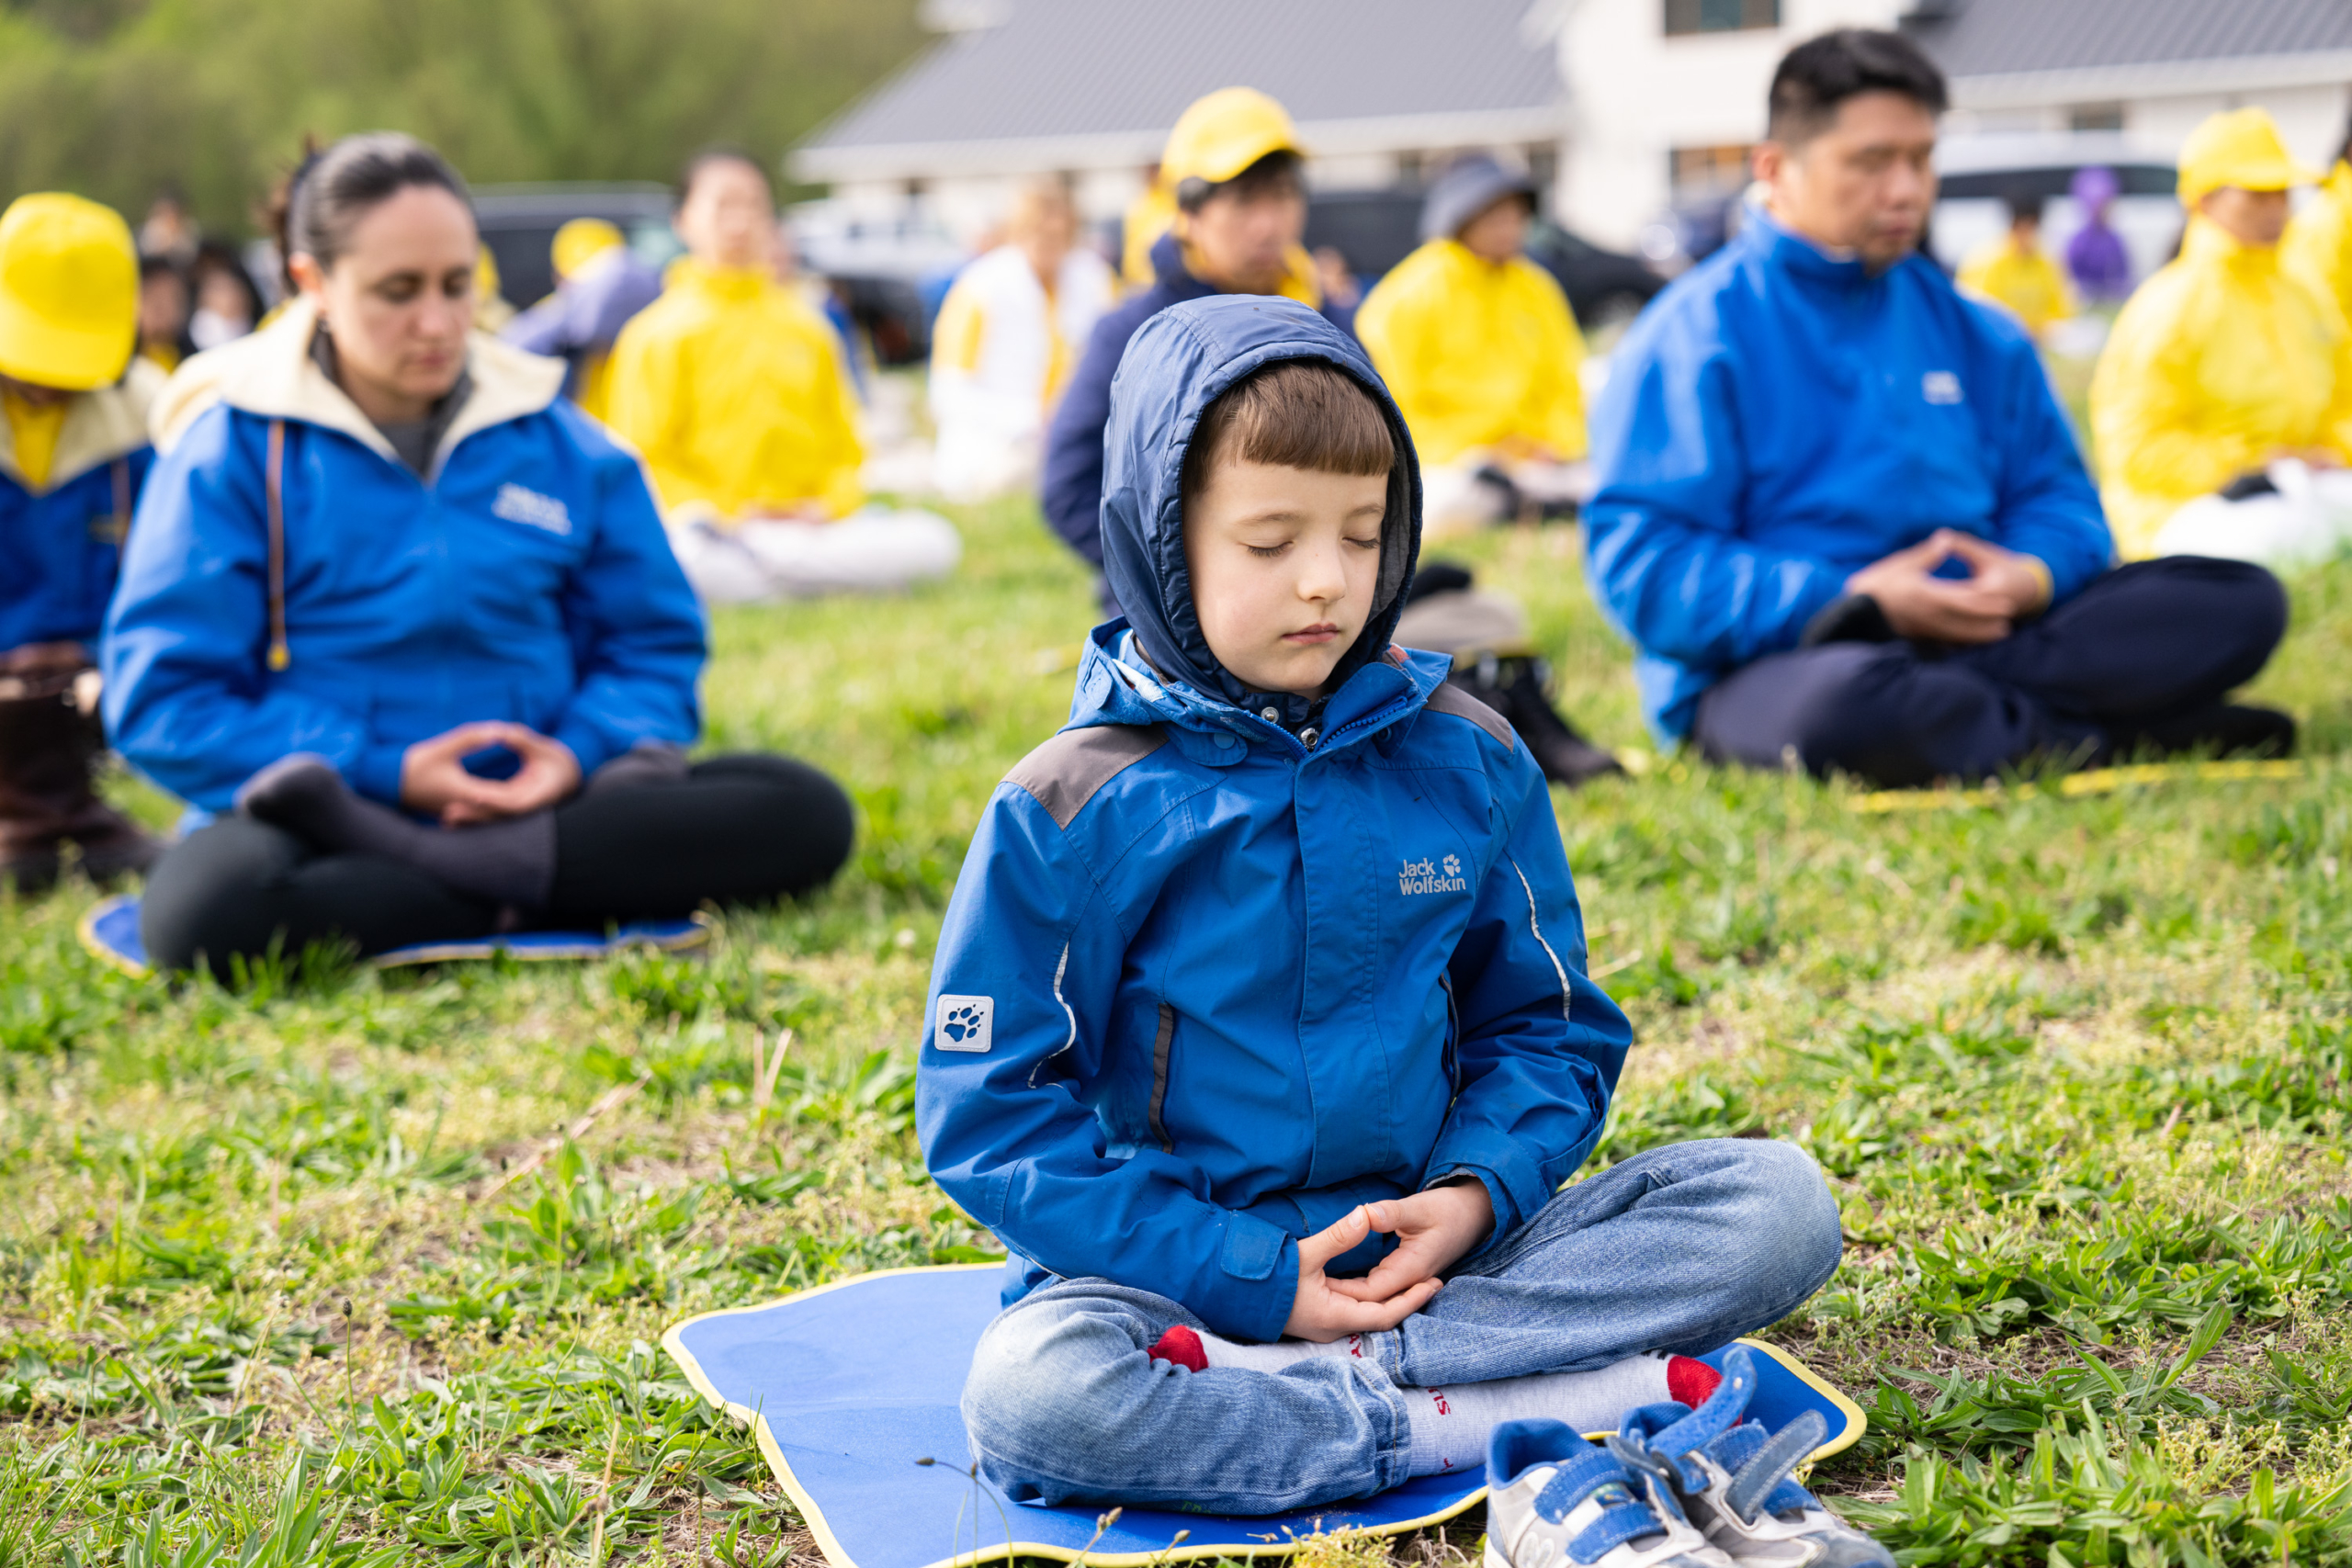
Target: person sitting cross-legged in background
x,y
1840,515
73,456
1479,349
404,622
2017,273
1008,336
1233,167
2222,402
1259,1029
733,389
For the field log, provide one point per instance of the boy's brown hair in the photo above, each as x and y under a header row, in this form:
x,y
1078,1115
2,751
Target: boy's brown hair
x,y
1301,413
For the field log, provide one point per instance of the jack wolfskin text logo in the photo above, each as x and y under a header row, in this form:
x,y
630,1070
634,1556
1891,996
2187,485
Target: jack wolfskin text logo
x,y
1939,386
530,508
1432,877
964,1024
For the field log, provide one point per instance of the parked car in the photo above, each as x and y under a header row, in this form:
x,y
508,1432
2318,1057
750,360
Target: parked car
x,y
1605,288
1979,173
518,224
881,269
1377,228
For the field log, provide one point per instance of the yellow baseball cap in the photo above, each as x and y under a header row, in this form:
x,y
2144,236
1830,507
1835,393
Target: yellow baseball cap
x,y
68,292
581,241
2238,147
1222,134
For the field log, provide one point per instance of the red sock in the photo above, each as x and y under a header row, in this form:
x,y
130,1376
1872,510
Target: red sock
x,y
1181,1345
1691,1381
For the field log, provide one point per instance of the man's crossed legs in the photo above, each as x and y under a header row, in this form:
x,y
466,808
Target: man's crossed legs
x,y
1679,1251
2143,656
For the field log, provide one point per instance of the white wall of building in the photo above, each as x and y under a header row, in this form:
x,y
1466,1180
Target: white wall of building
x,y
1634,94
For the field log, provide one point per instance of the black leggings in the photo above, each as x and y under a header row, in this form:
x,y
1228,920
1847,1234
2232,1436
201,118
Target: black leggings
x,y
732,830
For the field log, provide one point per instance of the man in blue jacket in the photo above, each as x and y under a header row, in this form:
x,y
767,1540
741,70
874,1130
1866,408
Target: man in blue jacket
x,y
1261,1009
1234,162
1840,515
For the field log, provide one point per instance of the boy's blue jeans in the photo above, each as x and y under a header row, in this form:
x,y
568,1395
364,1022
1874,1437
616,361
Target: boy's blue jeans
x,y
1678,1250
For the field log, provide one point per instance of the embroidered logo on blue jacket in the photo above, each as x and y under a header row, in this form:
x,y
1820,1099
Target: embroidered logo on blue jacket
x,y
530,508
1430,876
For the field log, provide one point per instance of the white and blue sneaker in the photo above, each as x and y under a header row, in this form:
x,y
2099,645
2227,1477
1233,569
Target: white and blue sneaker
x,y
1731,1478
1554,1500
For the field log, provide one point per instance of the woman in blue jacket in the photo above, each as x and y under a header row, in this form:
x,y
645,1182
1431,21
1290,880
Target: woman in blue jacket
x,y
408,624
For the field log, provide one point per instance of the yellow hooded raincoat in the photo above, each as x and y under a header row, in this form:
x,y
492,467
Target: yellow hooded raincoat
x,y
2318,246
2217,363
1477,356
732,389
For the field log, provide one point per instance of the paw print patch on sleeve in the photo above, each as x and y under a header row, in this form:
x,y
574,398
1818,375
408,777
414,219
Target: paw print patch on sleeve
x,y
964,1024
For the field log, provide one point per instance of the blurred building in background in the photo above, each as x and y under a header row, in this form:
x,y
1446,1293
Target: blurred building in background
x,y
1381,89
1635,117
1665,97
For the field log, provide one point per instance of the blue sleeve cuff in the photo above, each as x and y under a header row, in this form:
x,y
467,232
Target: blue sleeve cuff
x,y
1507,1216
1257,1281
376,772
588,743
1513,1182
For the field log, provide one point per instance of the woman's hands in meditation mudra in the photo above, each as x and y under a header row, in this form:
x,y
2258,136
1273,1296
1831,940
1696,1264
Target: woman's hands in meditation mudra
x,y
434,783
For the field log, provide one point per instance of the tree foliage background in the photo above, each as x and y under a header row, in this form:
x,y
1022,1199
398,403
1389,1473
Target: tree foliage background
x,y
115,98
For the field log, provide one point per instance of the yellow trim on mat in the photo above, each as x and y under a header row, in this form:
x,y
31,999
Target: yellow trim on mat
x,y
1856,1422
827,1542
87,930
2094,781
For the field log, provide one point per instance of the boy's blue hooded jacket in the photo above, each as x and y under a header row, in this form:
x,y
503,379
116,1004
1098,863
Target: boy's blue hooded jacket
x,y
1223,964
1779,418
527,578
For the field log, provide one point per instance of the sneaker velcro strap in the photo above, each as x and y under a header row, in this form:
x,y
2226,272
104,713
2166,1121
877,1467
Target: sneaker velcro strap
x,y
1764,1480
1578,1477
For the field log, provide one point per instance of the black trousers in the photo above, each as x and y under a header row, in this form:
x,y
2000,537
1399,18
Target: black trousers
x,y
2142,644
732,830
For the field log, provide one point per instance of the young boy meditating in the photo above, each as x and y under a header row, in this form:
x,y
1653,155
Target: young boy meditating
x,y
1259,1029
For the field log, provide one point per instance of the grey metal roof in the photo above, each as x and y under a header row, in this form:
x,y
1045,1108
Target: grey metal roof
x,y
1076,68
1988,38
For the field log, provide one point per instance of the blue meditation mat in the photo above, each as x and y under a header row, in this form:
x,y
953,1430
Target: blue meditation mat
x,y
849,1384
110,934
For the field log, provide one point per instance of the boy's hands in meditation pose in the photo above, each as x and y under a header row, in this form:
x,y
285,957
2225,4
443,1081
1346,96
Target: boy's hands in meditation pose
x,y
1435,1230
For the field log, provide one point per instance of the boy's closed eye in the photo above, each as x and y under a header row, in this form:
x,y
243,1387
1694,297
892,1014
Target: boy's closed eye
x,y
1286,565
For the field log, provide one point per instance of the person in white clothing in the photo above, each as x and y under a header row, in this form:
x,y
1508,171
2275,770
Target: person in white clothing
x,y
1007,337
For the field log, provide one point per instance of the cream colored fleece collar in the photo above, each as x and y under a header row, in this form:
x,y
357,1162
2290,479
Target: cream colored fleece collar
x,y
99,427
271,374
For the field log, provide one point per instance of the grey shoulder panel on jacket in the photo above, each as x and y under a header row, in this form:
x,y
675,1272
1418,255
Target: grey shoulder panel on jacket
x,y
1450,698
1063,775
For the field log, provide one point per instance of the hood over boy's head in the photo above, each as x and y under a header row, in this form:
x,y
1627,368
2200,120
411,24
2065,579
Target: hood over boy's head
x,y
1260,418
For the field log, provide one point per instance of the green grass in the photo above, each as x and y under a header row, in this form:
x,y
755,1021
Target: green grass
x,y
2079,1070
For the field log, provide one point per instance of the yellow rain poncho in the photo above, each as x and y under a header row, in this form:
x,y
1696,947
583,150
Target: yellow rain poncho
x,y
1477,356
732,388
2219,363
2022,279
2318,246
